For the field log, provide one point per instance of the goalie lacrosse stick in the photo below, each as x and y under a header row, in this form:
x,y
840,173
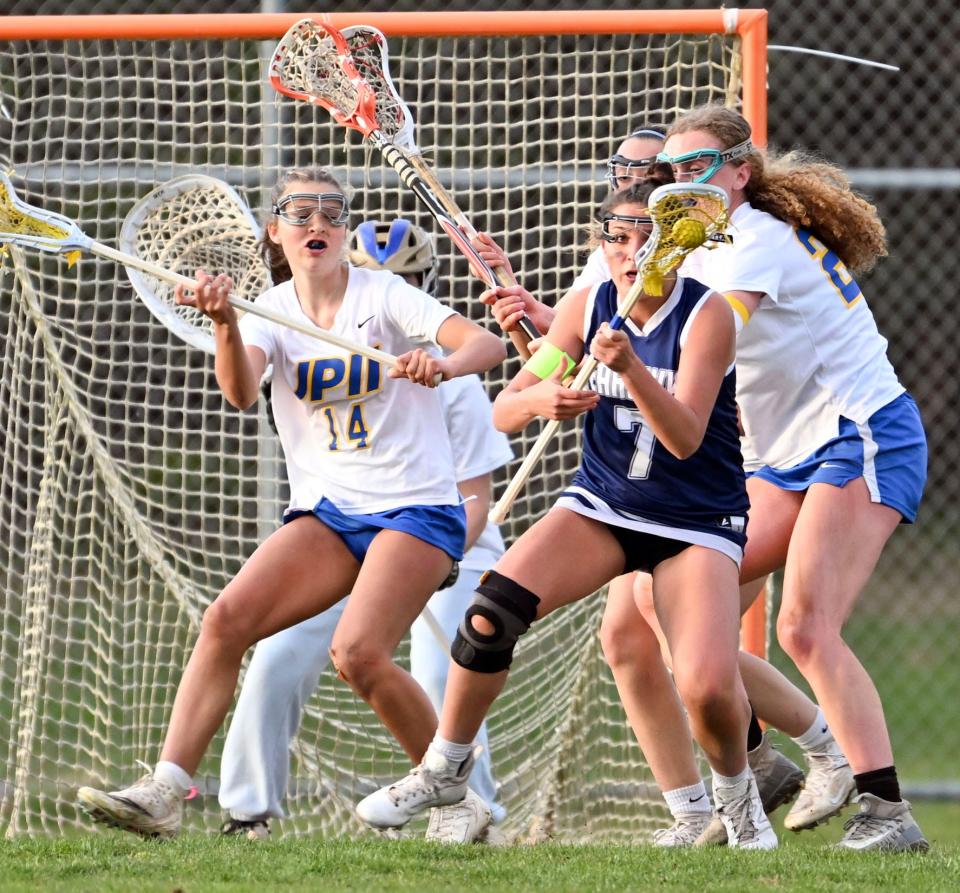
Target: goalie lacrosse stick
x,y
192,223
684,216
29,227
347,73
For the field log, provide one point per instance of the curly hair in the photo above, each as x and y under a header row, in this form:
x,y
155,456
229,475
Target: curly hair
x,y
799,189
270,251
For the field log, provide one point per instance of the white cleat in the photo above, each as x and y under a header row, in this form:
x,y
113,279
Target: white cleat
x,y
828,788
465,822
435,782
883,826
741,811
149,807
685,830
778,780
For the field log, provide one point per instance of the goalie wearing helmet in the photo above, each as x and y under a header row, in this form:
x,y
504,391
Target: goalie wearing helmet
x,y
285,668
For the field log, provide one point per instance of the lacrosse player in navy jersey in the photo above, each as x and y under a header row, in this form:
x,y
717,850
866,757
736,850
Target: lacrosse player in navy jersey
x,y
660,488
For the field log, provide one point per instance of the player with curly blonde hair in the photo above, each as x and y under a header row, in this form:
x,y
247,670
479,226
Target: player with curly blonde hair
x,y
834,445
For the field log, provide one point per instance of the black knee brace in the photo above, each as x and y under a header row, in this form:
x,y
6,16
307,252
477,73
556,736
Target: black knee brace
x,y
510,608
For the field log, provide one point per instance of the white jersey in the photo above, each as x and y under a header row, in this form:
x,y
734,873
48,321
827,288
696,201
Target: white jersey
x,y
366,442
478,448
811,351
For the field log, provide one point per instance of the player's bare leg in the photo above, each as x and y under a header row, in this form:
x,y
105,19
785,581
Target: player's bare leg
x,y
399,574
632,649
274,589
696,595
835,546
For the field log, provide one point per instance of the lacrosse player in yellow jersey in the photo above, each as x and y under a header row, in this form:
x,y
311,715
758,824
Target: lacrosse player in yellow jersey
x,y
374,508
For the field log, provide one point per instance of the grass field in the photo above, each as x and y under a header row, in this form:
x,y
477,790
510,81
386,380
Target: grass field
x,y
113,862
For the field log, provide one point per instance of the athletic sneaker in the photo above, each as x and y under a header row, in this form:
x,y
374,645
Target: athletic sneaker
x,y
149,807
828,788
740,810
778,781
253,829
685,830
465,822
882,825
435,782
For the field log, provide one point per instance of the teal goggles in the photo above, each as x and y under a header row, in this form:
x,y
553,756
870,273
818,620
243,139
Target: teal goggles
x,y
701,164
299,207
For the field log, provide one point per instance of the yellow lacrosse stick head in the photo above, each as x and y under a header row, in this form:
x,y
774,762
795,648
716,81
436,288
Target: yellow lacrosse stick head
x,y
684,215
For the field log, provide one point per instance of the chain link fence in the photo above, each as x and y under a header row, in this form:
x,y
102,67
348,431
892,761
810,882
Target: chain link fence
x,y
898,141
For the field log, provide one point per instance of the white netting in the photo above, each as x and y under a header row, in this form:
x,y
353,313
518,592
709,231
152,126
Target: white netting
x,y
131,492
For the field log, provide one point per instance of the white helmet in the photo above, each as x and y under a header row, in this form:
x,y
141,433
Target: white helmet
x,y
398,246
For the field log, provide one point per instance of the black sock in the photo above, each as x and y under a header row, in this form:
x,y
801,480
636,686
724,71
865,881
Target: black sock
x,y
754,732
881,783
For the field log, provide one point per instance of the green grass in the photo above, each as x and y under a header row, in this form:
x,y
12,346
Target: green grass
x,y
116,863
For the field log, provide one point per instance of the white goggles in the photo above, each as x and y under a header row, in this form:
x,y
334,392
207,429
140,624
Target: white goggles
x,y
299,207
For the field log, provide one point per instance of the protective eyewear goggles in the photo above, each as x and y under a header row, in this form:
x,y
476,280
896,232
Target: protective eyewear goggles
x,y
299,207
622,170
701,164
615,226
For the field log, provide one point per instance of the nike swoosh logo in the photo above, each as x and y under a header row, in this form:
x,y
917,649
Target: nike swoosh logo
x,y
360,325
694,799
823,731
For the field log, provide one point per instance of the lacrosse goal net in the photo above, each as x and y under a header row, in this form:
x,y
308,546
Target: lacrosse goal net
x,y
131,493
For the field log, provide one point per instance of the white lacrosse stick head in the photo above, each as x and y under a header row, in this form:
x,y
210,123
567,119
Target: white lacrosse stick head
x,y
193,223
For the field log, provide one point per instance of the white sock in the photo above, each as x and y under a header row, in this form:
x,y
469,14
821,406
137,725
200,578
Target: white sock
x,y
454,752
728,787
173,775
691,799
818,735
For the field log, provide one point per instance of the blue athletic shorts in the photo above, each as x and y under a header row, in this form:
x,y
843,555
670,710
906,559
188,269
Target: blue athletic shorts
x,y
443,526
889,452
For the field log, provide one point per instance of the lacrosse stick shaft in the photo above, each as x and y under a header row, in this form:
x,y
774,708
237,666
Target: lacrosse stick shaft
x,y
137,263
500,511
426,615
412,175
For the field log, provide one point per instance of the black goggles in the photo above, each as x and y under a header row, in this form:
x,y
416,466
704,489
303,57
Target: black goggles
x,y
608,234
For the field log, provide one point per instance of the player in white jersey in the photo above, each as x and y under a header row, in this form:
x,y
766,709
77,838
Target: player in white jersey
x,y
834,443
630,648
285,668
374,508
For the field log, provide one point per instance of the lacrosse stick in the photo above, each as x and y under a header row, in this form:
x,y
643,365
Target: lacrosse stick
x,y
347,73
684,216
29,227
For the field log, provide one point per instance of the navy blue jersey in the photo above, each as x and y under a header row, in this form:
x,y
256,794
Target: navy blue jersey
x,y
624,464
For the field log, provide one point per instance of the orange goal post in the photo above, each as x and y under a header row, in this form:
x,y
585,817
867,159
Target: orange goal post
x,y
131,493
